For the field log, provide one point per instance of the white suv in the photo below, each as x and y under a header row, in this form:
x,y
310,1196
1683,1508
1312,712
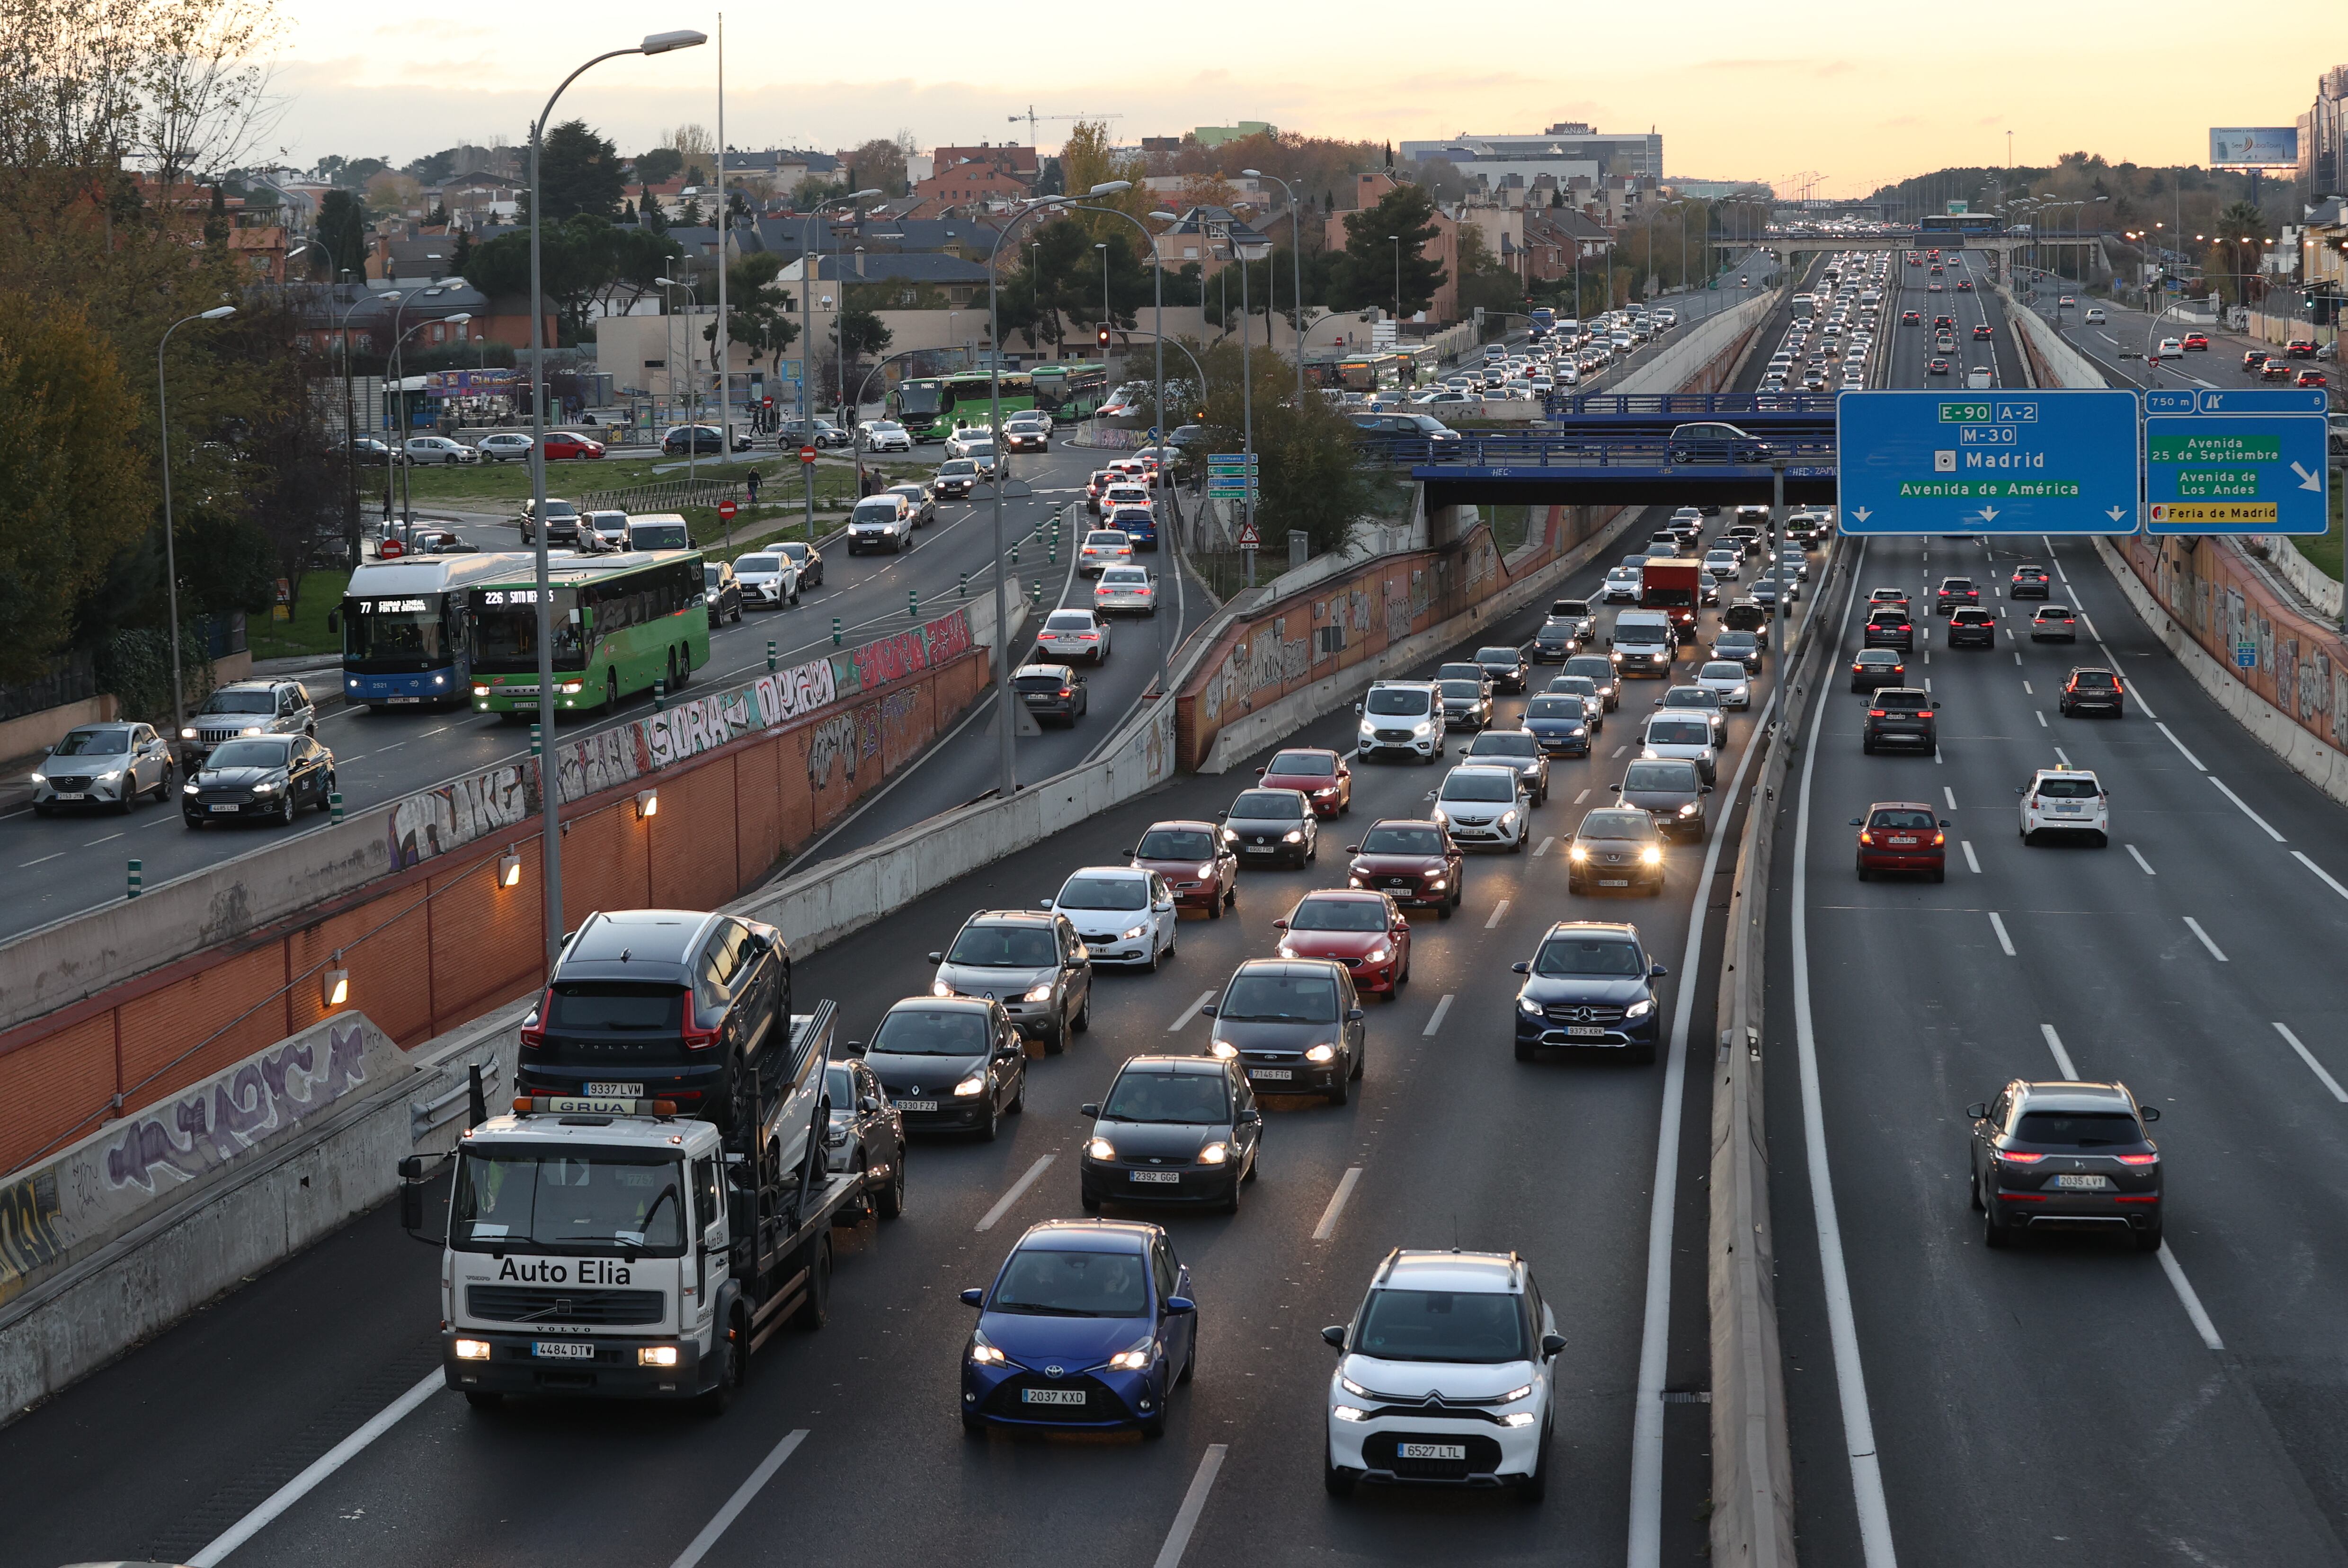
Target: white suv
x,y
2067,800
1448,1377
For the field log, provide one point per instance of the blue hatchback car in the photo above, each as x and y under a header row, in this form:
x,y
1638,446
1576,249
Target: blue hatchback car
x,y
1087,1327
1588,987
1561,723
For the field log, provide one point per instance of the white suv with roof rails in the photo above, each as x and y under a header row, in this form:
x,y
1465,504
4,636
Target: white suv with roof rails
x,y
1401,717
2066,801
1448,1377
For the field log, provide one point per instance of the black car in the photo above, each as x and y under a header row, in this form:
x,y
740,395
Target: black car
x,y
1506,665
2031,581
1294,1025
682,440
1561,724
1052,692
1899,716
2065,1156
1556,641
1745,647
561,521
949,1064
1467,704
2091,690
1520,750
1971,628
723,594
1413,427
1750,614
1889,627
266,776
1615,848
867,1136
1953,592
1712,441
1588,987
1601,670
1670,790
1465,670
1873,668
1272,827
1174,1130
662,1004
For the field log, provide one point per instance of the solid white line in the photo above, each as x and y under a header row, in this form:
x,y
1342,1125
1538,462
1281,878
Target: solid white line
x,y
1647,1417
1345,1183
1434,1019
1874,1516
1543,848
1190,1013
326,1464
2245,805
2142,865
1018,1191
749,1489
2312,1065
2195,926
2318,870
1972,864
2062,1056
2180,747
1952,794
1194,1503
1498,911
2003,939
2202,1324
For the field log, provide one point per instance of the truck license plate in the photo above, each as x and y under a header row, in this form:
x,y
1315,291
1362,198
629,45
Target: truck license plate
x,y
1159,1176
1431,1450
562,1349
1052,1395
614,1090
1278,1075
2085,1184
917,1105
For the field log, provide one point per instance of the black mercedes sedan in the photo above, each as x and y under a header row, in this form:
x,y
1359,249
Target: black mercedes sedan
x,y
1590,985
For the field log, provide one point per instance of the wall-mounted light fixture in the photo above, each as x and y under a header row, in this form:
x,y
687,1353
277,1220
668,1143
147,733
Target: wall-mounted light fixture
x,y
510,868
334,984
647,804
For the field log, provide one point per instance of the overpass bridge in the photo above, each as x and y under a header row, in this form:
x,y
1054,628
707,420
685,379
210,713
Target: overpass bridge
x,y
1616,468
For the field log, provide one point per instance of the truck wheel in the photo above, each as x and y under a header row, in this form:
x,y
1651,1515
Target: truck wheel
x,y
483,1399
816,1310
729,1372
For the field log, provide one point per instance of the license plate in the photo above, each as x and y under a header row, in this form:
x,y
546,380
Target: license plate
x,y
72,795
1259,849
1899,840
223,808
1277,1075
1585,1032
1614,881
1164,1177
917,1105
614,1090
2084,1183
562,1349
1431,1450
404,699
1052,1395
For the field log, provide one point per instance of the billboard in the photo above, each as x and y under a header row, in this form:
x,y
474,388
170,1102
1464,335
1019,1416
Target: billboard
x,y
2258,146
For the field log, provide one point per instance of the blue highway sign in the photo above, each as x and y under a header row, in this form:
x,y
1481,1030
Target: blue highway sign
x,y
1988,462
2235,473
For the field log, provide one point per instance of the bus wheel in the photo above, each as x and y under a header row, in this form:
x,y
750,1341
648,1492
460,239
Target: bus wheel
x,y
612,688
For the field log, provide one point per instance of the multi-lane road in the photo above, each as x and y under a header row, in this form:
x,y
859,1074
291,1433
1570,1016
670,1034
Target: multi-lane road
x,y
2068,1401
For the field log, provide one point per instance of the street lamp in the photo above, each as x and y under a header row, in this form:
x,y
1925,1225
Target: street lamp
x,y
171,556
550,789
693,380
1244,252
406,508
350,420
808,280
1396,240
1295,268
399,443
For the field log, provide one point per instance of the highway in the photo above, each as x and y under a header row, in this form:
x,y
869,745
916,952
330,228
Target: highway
x,y
2068,1401
1592,1169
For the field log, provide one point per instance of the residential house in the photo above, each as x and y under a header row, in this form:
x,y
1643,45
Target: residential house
x,y
968,187
1555,239
1202,237
1369,188
1020,162
961,281
260,249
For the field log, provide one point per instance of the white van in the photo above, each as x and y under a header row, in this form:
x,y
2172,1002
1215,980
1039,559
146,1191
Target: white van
x,y
658,531
1977,379
1642,642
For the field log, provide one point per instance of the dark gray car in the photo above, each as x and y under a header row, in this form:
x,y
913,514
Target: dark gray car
x,y
1294,1025
1518,749
1670,790
951,1064
1174,1130
1467,704
1272,827
924,504
1033,963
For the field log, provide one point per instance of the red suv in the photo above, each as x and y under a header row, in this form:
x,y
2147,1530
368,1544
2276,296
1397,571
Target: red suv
x,y
1320,776
1901,836
2309,379
1412,860
1363,930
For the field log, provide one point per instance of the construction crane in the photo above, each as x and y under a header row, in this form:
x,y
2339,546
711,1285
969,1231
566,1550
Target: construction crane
x,y
1030,117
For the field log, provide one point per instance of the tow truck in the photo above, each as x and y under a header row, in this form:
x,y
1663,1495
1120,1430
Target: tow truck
x,y
613,1249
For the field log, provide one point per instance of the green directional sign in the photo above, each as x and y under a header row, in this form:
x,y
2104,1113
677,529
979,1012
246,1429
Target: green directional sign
x,y
2230,473
2217,448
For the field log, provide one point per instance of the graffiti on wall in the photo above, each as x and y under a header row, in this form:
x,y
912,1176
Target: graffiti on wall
x,y
181,1138
833,740
28,1228
439,820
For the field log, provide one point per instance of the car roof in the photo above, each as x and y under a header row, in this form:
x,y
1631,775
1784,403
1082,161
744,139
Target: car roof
x,y
1458,1273
1344,895
1089,1236
2061,772
1899,806
612,945
1286,966
104,727
1011,917
1190,1065
1122,873
2068,1094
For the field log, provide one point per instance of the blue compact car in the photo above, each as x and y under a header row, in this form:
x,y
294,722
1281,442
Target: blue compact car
x,y
1087,1327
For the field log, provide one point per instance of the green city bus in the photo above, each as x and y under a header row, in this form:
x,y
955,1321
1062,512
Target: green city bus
x,y
928,406
620,623
1073,390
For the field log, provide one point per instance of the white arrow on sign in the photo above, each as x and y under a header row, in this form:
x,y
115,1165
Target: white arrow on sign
x,y
2116,513
1860,512
2308,482
1989,514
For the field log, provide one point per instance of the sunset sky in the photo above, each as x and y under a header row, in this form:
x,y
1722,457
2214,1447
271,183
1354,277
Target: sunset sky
x,y
1857,92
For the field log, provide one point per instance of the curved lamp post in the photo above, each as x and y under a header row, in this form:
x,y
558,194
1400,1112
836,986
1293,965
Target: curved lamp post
x,y
693,380
171,556
407,507
1295,267
808,280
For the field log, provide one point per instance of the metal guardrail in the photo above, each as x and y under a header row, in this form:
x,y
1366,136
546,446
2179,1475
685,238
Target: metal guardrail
x,y
1708,405
426,1116
668,496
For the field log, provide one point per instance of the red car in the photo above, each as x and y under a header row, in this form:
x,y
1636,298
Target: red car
x,y
2309,379
1412,861
2199,340
1198,866
1321,777
561,444
1365,931
1901,836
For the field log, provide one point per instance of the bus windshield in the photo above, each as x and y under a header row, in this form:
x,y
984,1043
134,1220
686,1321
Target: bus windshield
x,y
505,636
919,398
382,635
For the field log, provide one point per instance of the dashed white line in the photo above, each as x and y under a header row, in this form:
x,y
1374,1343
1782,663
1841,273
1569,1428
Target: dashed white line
x,y
1952,794
1434,1019
2312,1065
43,860
2040,716
2003,939
2195,927
2245,805
1346,1185
1972,863
2060,755
2202,1324
2180,747
1194,1503
2329,880
1543,848
2062,1056
2141,863
1018,1191
1190,1013
1578,800
1500,912
1619,749
2026,691
726,1516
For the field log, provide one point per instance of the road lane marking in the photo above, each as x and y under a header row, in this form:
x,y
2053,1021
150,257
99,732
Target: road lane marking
x,y
1972,864
1018,1191
1194,1503
1952,794
2202,1324
2134,690
326,1464
2026,691
2062,1056
2142,865
2312,1065
1578,800
2328,879
1874,1518
749,1489
2040,716
1345,1183
1619,749
2003,939
93,844
1190,1013
1543,848
2180,747
2245,805
1498,911
2060,757
1434,1019
2195,926
43,860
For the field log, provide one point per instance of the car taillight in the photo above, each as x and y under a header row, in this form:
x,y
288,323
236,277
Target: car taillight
x,y
1877,712
2137,1158
533,1034
2014,1157
697,1039
1938,839
1866,838
1068,691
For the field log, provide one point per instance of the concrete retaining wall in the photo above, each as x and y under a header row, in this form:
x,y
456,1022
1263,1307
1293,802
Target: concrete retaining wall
x,y
1682,364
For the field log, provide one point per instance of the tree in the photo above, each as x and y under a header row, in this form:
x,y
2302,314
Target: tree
x,y
389,195
1484,281
2243,231
651,214
1088,158
1367,275
878,165
434,167
579,171
659,166
758,314
696,152
1311,476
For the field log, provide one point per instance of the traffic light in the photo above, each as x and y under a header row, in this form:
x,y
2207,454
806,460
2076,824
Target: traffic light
x,y
1101,336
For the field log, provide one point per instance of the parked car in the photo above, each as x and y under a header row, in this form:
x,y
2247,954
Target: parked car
x,y
563,445
427,451
504,447
680,440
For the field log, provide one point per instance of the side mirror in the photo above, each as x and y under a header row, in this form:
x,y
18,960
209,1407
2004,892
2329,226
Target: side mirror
x,y
868,1104
2149,1113
1430,795
1551,1344
1617,789
1523,966
1208,1011
1946,823
1354,1014
1657,972
1862,822
1044,905
1279,925
334,620
1978,1109
1259,772
854,1048
1251,1116
1091,1111
2021,790
1705,788
1127,853
975,1297
1353,849
1179,1306
411,1168
940,958
1334,1335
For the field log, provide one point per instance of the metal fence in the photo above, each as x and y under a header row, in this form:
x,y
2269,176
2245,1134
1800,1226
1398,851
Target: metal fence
x,y
72,678
669,496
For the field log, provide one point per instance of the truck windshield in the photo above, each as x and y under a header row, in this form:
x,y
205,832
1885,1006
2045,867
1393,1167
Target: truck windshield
x,y
535,1200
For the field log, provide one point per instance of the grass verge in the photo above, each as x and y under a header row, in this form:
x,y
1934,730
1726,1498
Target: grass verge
x,y
270,638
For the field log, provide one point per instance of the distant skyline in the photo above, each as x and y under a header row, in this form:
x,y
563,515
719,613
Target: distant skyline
x,y
1862,97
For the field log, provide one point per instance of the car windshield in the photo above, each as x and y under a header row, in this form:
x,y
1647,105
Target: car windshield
x,y
757,565
1692,697
1279,999
1267,805
239,702
1105,538
931,1032
1068,621
1557,626
2054,613
1907,821
1338,914
1176,844
1403,842
1471,1327
2098,680
1575,607
1555,707
250,753
1462,691
1721,670
1390,700
1466,786
1592,665
958,466
1679,732
1589,955
1006,946
1129,577
1505,743
1497,656
1104,892
1164,1097
1303,765
2067,789
1636,825
521,1201
94,743
1033,680
1670,778
1045,1282
796,552
2077,1129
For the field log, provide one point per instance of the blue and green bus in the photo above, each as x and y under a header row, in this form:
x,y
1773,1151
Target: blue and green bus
x,y
406,627
1073,389
620,624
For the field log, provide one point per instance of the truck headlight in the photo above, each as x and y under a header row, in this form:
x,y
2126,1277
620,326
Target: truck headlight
x,y
974,1085
656,1356
470,1349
